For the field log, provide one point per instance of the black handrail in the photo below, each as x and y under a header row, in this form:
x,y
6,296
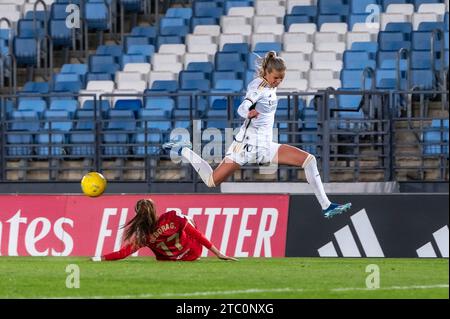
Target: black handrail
x,y
45,19
437,33
13,77
400,53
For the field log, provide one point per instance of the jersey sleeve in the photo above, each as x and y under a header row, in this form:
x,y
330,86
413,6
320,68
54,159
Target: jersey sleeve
x,y
124,252
254,91
253,95
195,234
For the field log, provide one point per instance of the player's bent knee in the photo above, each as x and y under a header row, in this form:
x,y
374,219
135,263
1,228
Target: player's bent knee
x,y
309,159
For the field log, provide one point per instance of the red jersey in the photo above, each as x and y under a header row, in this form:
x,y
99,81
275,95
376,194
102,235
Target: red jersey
x,y
174,238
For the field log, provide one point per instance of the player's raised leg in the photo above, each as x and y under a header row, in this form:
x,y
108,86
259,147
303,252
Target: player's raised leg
x,y
293,156
210,177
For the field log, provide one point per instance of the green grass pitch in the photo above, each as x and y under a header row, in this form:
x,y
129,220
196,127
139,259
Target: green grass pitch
x,y
252,278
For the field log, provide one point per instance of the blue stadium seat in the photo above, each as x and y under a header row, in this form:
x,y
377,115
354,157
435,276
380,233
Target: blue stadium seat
x,y
392,41
386,79
164,104
136,40
96,16
173,26
200,85
333,7
422,79
357,18
169,39
64,105
35,104
354,60
263,47
58,11
352,79
145,31
133,58
436,138
185,13
430,26
388,2
232,4
68,82
421,40
195,21
25,51
151,141
207,12
417,3
21,131
360,6
59,32
103,64
164,85
146,50
36,87
224,75
205,67
82,141
231,85
131,5
30,29
57,125
101,76
115,140
191,75
329,18
370,47
404,27
114,50
242,48
420,60
290,19
229,61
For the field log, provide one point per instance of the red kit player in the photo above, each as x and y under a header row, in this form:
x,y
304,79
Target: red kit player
x,y
171,236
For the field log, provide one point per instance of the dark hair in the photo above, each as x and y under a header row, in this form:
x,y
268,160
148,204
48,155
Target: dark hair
x,y
270,63
142,225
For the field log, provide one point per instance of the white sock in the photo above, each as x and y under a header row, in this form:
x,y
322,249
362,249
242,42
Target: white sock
x,y
200,165
313,178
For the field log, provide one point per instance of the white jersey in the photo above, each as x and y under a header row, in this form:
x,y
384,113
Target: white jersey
x,y
260,130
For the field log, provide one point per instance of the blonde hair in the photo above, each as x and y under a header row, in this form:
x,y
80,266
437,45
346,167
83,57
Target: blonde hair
x,y
269,63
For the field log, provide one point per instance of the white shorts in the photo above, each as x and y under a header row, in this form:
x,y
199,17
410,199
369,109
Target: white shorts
x,y
242,153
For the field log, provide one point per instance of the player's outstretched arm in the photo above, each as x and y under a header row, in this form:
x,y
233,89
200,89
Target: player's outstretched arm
x,y
124,252
220,255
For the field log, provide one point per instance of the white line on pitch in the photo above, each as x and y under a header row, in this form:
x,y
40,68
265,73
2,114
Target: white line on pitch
x,y
391,288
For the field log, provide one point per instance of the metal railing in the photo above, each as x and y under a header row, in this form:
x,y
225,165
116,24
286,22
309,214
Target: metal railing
x,y
369,142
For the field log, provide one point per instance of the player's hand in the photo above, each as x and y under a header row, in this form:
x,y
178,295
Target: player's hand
x,y
252,114
97,258
224,257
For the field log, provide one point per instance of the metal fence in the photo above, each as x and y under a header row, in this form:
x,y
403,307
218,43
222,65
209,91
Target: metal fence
x,y
382,139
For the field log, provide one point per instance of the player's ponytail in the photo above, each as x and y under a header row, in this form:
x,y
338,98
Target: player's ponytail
x,y
142,225
271,62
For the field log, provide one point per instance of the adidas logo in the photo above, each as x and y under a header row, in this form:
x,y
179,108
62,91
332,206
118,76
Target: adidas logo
x,y
347,243
441,240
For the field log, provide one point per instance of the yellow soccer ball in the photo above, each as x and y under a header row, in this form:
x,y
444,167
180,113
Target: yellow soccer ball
x,y
93,184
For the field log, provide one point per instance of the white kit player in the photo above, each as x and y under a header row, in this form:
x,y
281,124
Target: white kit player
x,y
253,143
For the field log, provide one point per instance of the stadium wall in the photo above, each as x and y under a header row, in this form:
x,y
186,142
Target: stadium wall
x,y
244,225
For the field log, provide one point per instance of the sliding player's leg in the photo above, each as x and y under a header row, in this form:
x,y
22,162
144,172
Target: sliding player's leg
x,y
293,156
